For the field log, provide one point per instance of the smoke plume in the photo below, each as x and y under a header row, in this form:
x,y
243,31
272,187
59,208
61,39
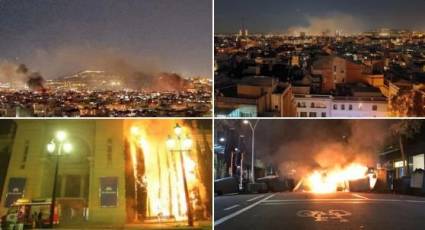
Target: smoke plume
x,y
19,76
305,145
328,25
132,71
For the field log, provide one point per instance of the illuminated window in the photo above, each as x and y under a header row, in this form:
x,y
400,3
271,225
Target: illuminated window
x,y
398,164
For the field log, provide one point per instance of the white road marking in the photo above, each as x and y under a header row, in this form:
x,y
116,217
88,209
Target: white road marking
x,y
231,207
415,201
360,196
369,200
328,202
255,198
230,216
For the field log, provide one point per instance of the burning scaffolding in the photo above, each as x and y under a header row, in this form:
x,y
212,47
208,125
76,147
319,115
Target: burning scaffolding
x,y
157,171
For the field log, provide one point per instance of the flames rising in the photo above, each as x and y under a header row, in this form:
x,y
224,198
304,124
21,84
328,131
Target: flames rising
x,y
337,179
162,176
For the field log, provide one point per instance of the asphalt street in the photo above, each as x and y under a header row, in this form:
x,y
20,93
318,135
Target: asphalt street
x,y
342,210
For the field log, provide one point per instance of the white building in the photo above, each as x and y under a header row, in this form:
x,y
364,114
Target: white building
x,y
329,106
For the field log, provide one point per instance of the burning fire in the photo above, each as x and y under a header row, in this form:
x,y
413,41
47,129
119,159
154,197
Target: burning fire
x,y
331,180
162,175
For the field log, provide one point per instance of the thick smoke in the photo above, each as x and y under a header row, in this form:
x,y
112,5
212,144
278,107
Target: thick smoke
x,y
134,72
328,25
305,145
19,76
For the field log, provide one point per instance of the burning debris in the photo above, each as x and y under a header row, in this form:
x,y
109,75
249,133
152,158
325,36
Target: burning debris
x,y
338,178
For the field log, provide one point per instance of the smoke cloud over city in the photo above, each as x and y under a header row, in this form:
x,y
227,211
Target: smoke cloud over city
x,y
330,24
305,145
133,72
20,76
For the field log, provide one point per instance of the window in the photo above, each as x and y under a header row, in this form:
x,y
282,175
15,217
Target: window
x,y
342,107
312,105
72,186
350,107
303,114
335,107
323,114
109,151
374,107
25,154
313,114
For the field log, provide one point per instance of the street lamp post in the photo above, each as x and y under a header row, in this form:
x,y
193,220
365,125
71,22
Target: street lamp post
x,y
252,126
183,144
51,148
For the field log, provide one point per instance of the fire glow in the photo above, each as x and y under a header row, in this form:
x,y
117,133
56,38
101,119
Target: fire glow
x,y
163,175
331,180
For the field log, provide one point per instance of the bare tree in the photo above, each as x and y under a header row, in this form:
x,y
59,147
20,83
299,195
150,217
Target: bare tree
x,y
405,129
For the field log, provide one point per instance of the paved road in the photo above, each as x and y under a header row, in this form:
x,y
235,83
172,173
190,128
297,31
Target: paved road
x,y
319,211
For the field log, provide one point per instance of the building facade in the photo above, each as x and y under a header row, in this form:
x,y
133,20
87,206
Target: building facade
x,y
94,183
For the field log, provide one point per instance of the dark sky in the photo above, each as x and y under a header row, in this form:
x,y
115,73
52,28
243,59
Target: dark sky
x,y
281,15
56,36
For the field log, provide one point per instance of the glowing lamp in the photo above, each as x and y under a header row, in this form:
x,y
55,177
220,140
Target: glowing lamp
x,y
67,147
245,122
178,130
61,135
51,147
187,143
134,130
170,143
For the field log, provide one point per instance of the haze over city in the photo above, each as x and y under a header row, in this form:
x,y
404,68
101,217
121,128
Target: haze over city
x,y
272,16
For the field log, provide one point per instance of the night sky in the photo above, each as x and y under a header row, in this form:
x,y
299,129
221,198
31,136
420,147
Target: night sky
x,y
279,16
58,37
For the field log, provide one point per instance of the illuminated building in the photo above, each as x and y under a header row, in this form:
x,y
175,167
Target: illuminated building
x,y
114,175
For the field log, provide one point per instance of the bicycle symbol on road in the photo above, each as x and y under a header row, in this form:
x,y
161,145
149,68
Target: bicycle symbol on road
x,y
323,216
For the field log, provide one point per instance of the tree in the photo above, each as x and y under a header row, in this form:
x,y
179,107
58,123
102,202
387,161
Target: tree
x,y
405,129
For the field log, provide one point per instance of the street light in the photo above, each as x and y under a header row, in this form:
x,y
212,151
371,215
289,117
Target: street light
x,y
252,126
64,147
179,144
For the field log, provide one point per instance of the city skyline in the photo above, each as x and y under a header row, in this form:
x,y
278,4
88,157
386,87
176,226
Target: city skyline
x,y
57,38
289,17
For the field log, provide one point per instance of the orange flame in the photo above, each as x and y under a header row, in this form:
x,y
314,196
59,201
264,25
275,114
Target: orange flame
x,y
163,177
330,181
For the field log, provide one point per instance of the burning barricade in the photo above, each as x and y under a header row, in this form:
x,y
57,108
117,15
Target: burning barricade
x,y
354,177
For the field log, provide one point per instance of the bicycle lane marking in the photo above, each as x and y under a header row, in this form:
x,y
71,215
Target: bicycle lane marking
x,y
324,216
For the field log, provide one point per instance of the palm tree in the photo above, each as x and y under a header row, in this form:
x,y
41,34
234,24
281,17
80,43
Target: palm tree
x,y
405,129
